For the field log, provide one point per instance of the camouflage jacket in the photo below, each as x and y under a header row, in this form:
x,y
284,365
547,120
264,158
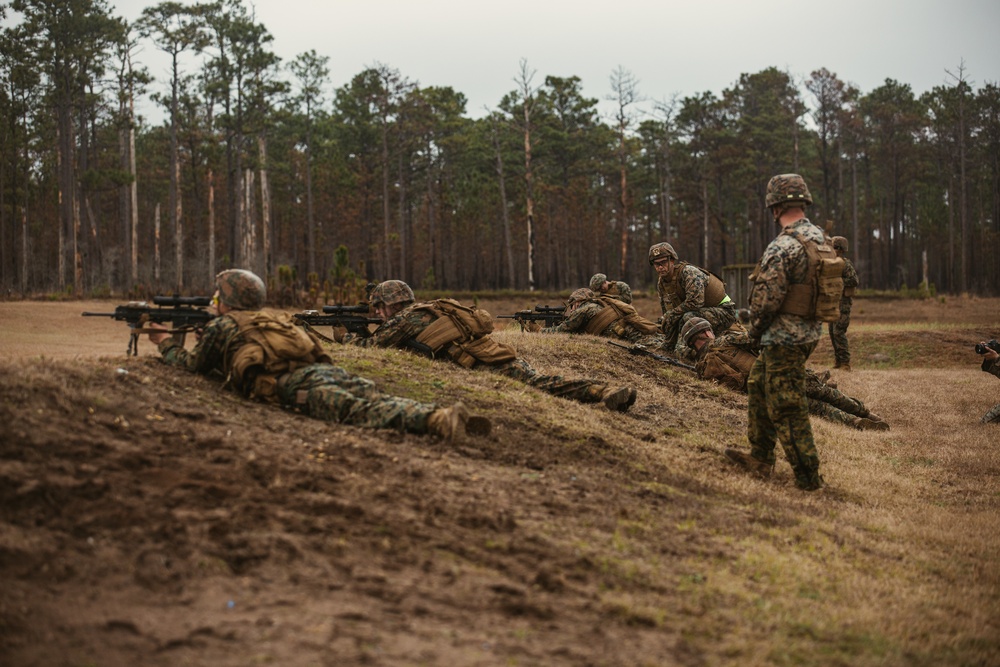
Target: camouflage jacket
x,y
578,319
783,263
618,290
992,366
693,280
209,354
395,331
850,279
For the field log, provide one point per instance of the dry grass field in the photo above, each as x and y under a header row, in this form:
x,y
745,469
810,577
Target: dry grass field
x,y
147,517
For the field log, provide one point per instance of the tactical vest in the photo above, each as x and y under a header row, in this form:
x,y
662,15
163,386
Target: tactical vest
x,y
620,313
462,333
267,345
715,291
818,298
728,365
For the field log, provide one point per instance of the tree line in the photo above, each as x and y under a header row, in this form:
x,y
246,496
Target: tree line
x,y
258,165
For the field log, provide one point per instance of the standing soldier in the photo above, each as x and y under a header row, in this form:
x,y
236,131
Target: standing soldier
x,y
838,329
266,357
783,316
688,291
445,329
600,284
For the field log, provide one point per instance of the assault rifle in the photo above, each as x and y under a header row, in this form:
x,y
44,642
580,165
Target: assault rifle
x,y
550,315
353,318
642,350
184,313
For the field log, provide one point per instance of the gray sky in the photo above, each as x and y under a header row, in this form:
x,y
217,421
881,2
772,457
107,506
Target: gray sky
x,y
671,48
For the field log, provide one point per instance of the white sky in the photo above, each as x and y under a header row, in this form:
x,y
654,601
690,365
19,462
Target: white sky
x,y
671,47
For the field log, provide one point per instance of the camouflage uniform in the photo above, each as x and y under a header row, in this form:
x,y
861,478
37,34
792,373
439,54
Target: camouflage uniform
x,y
579,318
616,288
777,403
838,329
992,366
399,330
320,390
824,401
689,302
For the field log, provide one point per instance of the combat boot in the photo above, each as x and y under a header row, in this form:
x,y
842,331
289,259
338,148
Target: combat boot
x,y
452,424
809,482
843,365
749,463
618,398
871,423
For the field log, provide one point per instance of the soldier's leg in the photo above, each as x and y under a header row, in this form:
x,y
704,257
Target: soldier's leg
x,y
582,390
788,408
993,416
819,391
838,337
720,317
333,394
760,429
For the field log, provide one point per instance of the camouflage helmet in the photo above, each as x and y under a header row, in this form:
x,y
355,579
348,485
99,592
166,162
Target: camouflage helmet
x,y
661,250
390,293
840,243
241,290
597,280
581,294
787,188
692,328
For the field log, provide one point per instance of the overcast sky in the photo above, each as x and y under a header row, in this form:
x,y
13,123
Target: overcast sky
x,y
671,48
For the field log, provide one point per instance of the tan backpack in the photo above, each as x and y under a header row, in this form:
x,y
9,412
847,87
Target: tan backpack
x,y
819,297
267,346
463,333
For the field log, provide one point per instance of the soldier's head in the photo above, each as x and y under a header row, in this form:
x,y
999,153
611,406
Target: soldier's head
x,y
662,257
696,332
840,244
597,282
786,192
578,297
238,289
390,297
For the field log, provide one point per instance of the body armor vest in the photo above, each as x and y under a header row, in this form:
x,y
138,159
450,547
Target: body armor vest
x,y
715,291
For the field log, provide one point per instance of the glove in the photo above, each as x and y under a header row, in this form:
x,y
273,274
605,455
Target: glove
x,y
339,333
533,326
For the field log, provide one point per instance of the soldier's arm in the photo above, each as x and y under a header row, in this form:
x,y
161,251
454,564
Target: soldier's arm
x,y
207,354
768,293
695,281
574,323
850,274
394,332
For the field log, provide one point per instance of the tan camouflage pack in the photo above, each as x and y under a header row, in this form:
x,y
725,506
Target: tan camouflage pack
x,y
819,297
614,310
463,334
267,346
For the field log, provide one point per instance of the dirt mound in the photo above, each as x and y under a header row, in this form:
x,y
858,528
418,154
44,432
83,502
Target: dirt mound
x,y
147,513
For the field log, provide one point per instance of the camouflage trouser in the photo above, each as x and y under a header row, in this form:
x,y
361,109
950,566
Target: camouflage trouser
x,y
720,317
331,393
993,416
585,391
838,334
827,411
817,391
779,410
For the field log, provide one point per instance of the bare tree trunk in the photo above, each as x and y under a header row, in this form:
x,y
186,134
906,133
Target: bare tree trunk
x,y
156,249
248,236
175,177
210,178
704,223
504,209
386,227
265,208
310,217
134,205
401,225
